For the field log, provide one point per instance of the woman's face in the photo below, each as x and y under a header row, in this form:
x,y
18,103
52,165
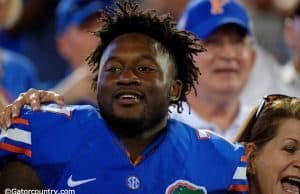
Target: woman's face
x,y
276,166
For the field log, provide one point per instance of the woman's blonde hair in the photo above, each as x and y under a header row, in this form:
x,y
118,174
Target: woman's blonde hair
x,y
262,123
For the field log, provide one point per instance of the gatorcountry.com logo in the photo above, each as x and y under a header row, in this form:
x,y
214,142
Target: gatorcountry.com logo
x,y
185,187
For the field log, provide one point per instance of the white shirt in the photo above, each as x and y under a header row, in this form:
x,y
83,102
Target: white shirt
x,y
263,80
196,121
291,79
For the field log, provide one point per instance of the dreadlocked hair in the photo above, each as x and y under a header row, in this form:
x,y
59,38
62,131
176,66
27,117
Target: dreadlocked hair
x,y
126,17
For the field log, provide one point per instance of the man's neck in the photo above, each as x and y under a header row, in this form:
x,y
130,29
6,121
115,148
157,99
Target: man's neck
x,y
221,111
137,144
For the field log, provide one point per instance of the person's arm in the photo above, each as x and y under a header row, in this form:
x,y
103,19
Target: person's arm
x,y
34,98
18,175
77,87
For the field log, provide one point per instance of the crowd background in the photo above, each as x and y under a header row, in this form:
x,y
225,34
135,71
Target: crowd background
x,y
50,40
273,66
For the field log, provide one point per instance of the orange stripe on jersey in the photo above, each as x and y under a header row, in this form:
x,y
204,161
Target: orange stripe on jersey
x,y
243,158
19,120
15,149
239,188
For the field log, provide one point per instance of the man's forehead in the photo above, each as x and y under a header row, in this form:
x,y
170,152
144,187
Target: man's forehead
x,y
135,35
134,43
137,45
135,39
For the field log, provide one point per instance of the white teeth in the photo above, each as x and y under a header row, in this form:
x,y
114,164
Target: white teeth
x,y
294,179
128,96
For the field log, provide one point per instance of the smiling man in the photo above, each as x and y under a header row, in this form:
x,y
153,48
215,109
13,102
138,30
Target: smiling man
x,y
143,66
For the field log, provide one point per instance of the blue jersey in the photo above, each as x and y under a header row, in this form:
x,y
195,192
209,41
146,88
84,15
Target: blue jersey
x,y
73,148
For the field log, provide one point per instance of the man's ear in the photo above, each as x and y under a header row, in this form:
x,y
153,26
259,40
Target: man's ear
x,y
175,90
251,153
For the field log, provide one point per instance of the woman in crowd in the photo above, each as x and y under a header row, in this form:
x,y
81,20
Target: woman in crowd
x,y
271,135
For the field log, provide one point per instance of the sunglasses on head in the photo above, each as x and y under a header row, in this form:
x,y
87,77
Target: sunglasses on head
x,y
266,100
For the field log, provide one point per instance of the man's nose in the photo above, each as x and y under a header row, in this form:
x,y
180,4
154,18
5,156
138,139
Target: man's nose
x,y
128,76
228,50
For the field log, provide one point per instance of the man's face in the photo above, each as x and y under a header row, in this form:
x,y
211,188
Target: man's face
x,y
226,65
135,83
76,43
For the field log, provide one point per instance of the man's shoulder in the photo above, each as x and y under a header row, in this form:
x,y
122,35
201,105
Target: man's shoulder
x,y
50,135
204,138
53,112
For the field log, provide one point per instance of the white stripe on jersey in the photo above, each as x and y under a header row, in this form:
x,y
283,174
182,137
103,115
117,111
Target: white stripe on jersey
x,y
60,110
240,173
16,135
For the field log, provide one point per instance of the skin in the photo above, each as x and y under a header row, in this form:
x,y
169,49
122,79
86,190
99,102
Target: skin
x,y
174,7
132,66
225,69
3,7
278,158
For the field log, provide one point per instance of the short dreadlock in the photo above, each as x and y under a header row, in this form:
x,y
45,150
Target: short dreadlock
x,y
127,17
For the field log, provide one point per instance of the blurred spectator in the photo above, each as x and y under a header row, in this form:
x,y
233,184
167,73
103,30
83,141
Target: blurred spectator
x,y
174,7
225,67
33,35
264,78
272,138
268,18
290,72
17,73
9,14
76,19
10,11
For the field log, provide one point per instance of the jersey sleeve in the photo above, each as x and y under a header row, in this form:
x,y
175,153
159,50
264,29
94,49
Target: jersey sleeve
x,y
16,140
234,154
42,137
233,159
46,140
239,183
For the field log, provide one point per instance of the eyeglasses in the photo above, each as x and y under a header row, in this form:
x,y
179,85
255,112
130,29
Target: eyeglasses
x,y
214,45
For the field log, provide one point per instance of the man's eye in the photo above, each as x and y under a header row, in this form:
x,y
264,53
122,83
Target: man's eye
x,y
145,69
113,69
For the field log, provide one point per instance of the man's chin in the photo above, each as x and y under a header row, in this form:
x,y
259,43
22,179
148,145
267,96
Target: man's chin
x,y
126,126
129,128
